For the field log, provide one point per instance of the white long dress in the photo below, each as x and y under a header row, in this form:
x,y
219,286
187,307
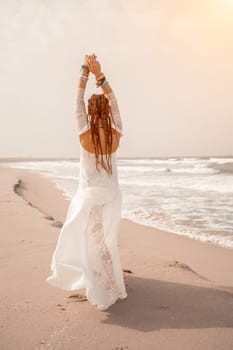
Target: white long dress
x,y
86,254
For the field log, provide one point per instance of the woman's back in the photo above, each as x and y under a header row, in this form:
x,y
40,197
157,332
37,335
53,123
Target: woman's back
x,y
84,130
87,143
89,176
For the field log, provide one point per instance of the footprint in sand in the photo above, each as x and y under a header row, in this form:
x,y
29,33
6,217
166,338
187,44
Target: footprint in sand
x,y
57,224
182,266
62,307
127,271
77,297
49,217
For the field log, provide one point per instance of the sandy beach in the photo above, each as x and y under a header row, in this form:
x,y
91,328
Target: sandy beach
x,y
180,291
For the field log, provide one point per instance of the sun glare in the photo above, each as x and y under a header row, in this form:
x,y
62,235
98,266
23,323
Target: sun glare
x,y
228,3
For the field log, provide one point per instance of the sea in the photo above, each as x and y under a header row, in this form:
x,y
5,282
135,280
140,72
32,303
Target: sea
x,y
190,196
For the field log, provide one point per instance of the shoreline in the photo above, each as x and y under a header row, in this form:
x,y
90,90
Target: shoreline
x,y
179,289
29,159
190,235
36,172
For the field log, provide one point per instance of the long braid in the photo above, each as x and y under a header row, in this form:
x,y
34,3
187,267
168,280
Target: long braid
x,y
99,111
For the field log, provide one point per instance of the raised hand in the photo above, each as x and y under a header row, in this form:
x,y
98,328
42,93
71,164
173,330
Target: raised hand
x,y
94,65
86,60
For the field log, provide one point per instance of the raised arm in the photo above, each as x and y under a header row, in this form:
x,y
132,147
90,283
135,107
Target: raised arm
x,y
80,113
100,77
115,111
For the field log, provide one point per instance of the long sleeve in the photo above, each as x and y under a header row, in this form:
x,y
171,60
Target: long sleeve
x,y
115,113
80,113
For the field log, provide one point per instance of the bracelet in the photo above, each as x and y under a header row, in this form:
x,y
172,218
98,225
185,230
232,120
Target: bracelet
x,y
84,67
105,83
99,83
84,78
100,80
85,74
100,76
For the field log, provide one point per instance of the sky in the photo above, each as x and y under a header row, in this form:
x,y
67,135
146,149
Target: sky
x,y
169,63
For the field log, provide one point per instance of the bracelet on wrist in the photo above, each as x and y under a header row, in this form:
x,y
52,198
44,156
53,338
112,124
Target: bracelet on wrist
x,y
100,79
100,76
83,77
105,83
98,83
84,68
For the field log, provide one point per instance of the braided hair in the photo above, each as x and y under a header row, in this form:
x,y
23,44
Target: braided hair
x,y
99,113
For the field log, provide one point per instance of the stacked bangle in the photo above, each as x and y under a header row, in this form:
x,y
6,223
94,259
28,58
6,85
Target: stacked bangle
x,y
101,80
105,83
84,68
83,77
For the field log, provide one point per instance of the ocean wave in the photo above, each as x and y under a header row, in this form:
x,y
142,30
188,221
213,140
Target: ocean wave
x,y
155,161
196,170
63,177
140,169
218,183
164,222
221,160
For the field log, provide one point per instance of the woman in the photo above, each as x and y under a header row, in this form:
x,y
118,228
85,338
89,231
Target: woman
x,y
86,255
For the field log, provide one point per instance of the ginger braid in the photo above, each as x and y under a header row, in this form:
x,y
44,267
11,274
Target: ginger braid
x,y
99,112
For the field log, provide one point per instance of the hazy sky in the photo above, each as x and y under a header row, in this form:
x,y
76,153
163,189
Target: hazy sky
x,y
168,61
